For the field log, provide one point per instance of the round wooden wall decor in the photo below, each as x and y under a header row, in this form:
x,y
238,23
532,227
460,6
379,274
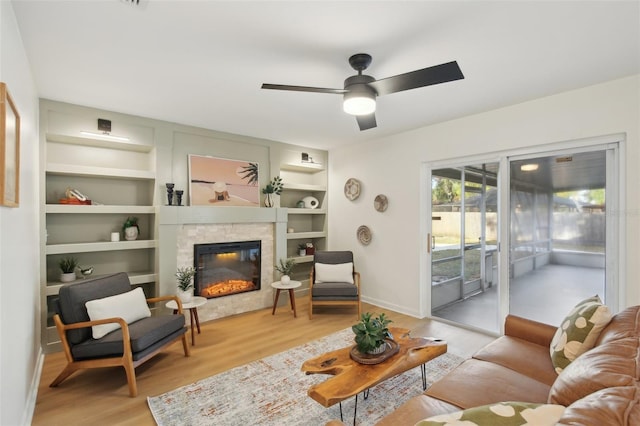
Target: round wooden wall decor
x,y
380,203
352,189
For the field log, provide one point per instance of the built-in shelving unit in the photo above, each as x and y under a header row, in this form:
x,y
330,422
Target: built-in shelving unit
x,y
119,178
309,225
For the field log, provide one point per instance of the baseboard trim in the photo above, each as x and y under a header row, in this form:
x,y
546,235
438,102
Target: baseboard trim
x,y
393,307
30,406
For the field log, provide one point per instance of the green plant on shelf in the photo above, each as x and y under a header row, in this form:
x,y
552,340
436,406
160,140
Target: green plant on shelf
x,y
274,187
131,222
68,264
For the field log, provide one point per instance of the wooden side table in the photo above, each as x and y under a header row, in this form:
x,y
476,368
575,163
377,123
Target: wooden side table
x,y
291,285
193,312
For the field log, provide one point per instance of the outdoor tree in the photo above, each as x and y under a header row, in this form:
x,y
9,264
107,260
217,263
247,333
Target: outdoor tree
x,y
445,191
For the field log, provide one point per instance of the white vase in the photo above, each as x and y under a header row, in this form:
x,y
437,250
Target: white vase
x,y
67,277
131,233
379,350
285,279
268,200
185,296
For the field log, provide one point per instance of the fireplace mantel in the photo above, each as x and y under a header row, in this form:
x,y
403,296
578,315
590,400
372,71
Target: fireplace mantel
x,y
182,226
183,215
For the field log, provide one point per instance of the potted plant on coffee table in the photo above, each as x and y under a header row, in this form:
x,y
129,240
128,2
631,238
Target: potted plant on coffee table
x,y
371,333
285,267
68,267
185,283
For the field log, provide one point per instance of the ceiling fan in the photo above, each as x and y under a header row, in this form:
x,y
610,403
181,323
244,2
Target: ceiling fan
x,y
360,91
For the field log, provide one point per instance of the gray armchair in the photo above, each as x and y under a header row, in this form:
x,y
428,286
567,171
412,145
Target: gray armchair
x,y
334,281
128,346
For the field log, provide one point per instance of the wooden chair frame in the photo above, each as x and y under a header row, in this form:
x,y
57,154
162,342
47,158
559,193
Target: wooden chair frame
x,y
312,303
126,360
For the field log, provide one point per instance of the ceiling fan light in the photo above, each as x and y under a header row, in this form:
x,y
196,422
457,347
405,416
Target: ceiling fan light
x,y
532,167
359,102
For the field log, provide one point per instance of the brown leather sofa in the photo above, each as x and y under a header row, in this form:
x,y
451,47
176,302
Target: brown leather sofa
x,y
599,388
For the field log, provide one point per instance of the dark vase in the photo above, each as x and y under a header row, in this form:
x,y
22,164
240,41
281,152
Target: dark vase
x,y
170,192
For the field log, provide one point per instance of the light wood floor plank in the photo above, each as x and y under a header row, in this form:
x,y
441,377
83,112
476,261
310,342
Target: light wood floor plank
x,y
100,396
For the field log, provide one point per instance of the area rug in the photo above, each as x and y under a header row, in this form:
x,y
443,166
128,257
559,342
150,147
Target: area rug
x,y
273,391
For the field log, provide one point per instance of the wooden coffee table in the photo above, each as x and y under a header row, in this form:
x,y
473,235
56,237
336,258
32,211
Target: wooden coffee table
x,y
351,377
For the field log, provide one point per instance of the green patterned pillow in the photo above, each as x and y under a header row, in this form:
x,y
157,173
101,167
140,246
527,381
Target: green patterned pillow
x,y
578,332
500,414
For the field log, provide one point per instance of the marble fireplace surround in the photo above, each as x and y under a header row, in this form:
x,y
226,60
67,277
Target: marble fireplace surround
x,y
182,227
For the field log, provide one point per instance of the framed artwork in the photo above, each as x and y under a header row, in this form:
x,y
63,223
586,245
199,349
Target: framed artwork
x,y
9,150
223,182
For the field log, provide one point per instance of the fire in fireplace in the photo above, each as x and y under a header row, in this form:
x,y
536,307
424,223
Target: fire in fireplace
x,y
226,268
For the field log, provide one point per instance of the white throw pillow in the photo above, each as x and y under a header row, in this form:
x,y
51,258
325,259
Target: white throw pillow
x,y
338,273
130,306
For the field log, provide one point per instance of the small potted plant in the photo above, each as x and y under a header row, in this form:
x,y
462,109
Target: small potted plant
x,y
302,249
273,187
285,267
371,334
131,229
185,283
68,267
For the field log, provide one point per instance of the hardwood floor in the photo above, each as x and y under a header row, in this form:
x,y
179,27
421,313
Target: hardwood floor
x,y
100,396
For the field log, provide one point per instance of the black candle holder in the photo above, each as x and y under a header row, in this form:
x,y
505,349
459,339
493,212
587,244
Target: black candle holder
x,y
170,192
179,193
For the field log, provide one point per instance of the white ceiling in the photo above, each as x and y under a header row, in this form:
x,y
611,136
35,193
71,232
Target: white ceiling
x,y
202,63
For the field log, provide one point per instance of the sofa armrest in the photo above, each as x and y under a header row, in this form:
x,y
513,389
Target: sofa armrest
x,y
529,330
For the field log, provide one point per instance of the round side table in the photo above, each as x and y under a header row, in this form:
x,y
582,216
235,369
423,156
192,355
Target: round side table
x,y
291,285
193,312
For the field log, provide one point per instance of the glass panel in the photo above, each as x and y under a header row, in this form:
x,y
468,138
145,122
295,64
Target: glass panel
x,y
464,218
557,233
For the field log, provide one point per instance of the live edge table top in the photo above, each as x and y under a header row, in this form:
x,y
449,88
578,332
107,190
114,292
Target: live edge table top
x,y
350,377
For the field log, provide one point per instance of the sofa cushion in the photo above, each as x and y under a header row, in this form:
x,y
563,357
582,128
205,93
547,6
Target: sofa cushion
x,y
339,272
476,382
416,409
144,333
501,413
578,332
130,306
623,324
610,365
335,291
522,356
610,406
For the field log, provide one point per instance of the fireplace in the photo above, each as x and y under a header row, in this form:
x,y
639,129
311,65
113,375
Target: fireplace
x,y
227,268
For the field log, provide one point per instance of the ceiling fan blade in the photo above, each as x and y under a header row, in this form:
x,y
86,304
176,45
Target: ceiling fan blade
x,y
437,74
303,88
366,121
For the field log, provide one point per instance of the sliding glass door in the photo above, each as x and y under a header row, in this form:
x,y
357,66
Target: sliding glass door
x,y
464,245
552,241
557,246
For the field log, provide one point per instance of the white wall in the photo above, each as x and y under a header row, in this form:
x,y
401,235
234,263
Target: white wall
x,y
392,166
20,353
